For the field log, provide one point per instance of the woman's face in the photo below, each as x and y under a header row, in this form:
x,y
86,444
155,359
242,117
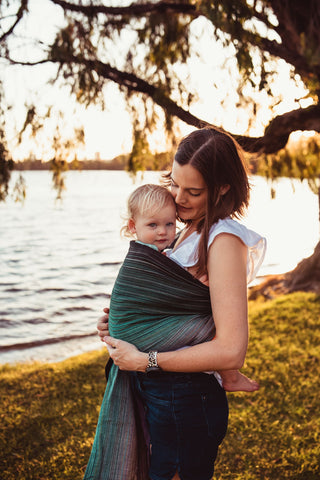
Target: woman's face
x,y
190,192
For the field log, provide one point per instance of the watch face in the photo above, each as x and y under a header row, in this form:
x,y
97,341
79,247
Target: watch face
x,y
152,359
152,363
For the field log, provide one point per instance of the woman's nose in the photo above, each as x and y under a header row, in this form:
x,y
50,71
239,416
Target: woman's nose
x,y
180,196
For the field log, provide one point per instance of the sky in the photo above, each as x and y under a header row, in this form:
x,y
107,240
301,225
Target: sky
x,y
108,133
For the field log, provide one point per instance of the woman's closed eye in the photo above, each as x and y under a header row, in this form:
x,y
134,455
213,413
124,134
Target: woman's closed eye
x,y
193,193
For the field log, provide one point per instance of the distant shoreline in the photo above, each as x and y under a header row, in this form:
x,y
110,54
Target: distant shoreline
x,y
157,161
115,164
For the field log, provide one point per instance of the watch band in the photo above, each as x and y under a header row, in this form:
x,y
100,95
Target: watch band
x,y
152,362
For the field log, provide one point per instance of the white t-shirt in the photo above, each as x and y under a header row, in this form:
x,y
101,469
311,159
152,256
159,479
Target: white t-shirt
x,y
186,253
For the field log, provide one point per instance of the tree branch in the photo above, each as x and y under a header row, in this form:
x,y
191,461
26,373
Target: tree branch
x,y
20,13
293,57
136,84
276,134
288,51
298,28
135,9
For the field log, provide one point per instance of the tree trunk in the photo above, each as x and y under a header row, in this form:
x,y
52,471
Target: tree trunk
x,y
305,277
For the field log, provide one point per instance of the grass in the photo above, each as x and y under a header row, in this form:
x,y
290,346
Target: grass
x,y
275,433
49,411
48,417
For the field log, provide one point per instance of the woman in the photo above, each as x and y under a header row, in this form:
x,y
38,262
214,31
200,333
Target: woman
x,y
187,413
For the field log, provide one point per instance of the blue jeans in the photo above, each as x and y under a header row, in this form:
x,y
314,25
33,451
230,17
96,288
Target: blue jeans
x,y
187,415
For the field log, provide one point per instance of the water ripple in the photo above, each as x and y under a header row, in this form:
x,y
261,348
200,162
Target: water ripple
x,y
47,341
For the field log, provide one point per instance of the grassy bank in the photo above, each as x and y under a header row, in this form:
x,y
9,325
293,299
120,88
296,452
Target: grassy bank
x,y
49,411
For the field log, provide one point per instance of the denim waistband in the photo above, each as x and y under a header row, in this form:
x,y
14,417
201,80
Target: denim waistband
x,y
173,375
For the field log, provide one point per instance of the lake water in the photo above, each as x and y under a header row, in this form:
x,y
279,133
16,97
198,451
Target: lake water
x,y
58,261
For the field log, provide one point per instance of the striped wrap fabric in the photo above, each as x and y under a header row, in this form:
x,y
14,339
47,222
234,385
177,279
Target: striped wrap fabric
x,y
156,305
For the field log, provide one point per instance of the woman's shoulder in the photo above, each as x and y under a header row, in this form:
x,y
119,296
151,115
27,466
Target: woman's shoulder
x,y
255,243
231,226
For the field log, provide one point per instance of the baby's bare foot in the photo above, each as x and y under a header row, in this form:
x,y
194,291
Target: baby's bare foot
x,y
238,383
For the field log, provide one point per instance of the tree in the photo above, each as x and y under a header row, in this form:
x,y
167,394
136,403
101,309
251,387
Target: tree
x,y
6,164
143,46
301,161
156,38
297,160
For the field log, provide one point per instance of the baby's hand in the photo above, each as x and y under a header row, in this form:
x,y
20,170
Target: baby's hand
x,y
204,279
102,325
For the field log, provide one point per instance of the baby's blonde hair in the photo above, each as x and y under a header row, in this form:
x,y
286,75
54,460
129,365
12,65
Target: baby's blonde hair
x,y
144,199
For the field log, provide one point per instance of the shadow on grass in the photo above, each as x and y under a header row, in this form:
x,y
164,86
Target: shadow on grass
x,y
50,415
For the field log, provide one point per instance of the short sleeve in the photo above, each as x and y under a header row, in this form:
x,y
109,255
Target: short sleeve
x,y
256,243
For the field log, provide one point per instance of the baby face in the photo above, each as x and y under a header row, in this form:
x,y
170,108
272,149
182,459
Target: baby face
x,y
157,228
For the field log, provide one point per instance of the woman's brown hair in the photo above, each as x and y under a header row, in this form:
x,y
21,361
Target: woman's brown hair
x,y
219,159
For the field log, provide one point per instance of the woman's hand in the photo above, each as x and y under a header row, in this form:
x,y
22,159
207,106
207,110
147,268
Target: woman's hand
x,y
102,325
125,355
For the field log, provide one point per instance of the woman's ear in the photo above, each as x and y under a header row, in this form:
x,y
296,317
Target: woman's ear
x,y
224,189
131,225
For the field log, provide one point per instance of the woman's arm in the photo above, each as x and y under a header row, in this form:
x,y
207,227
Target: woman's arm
x,y
227,272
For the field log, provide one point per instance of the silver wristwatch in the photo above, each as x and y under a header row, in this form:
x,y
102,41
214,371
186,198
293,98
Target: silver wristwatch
x,y
152,362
